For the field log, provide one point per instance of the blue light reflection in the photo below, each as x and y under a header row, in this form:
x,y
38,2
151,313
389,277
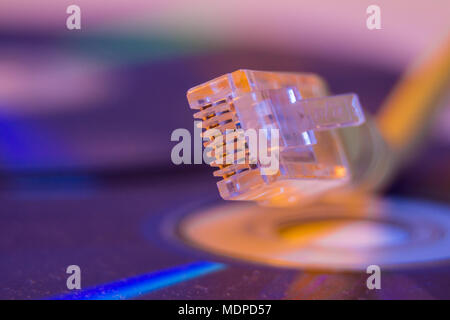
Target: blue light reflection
x,y
146,283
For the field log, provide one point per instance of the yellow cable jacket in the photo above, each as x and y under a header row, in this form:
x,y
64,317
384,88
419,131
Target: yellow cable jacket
x,y
403,117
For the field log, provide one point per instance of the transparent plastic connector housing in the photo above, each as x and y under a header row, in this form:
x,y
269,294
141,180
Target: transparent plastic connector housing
x,y
312,159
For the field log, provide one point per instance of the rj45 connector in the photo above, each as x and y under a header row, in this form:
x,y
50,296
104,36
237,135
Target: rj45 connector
x,y
313,157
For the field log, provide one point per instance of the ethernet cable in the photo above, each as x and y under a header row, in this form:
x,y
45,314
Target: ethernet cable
x,y
326,143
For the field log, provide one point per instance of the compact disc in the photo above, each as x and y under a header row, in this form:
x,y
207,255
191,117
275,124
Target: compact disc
x,y
347,235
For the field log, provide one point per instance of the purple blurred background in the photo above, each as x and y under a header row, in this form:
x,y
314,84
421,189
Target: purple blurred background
x,y
86,115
